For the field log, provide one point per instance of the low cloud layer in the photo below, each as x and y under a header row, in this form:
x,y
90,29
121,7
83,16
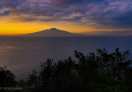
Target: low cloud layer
x,y
115,13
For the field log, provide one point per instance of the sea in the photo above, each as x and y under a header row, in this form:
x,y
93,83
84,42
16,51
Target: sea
x,y
23,54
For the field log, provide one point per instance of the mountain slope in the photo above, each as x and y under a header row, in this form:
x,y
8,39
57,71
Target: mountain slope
x,y
53,32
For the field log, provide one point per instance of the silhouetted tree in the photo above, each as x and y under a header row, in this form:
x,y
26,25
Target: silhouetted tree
x,y
7,78
101,71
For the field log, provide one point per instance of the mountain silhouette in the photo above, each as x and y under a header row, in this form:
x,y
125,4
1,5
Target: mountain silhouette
x,y
53,32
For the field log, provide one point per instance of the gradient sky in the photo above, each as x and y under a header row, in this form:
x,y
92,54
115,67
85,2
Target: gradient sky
x,y
26,16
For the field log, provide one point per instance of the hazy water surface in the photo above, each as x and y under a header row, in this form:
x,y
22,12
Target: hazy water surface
x,y
21,55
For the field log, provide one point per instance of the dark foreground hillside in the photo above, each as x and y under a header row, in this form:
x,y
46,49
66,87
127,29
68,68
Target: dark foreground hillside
x,y
101,71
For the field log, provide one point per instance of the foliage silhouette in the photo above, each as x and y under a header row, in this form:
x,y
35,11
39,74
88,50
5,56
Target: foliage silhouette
x,y
7,78
101,71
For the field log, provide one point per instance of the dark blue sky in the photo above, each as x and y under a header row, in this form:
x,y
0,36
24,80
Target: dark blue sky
x,y
115,13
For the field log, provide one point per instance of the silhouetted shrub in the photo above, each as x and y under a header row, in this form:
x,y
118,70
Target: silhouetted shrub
x,y
7,78
101,71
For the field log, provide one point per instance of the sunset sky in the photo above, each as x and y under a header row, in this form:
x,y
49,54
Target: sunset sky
x,y
27,16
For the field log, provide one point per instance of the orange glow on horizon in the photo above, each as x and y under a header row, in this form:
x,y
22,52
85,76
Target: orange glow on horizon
x,y
14,25
8,26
